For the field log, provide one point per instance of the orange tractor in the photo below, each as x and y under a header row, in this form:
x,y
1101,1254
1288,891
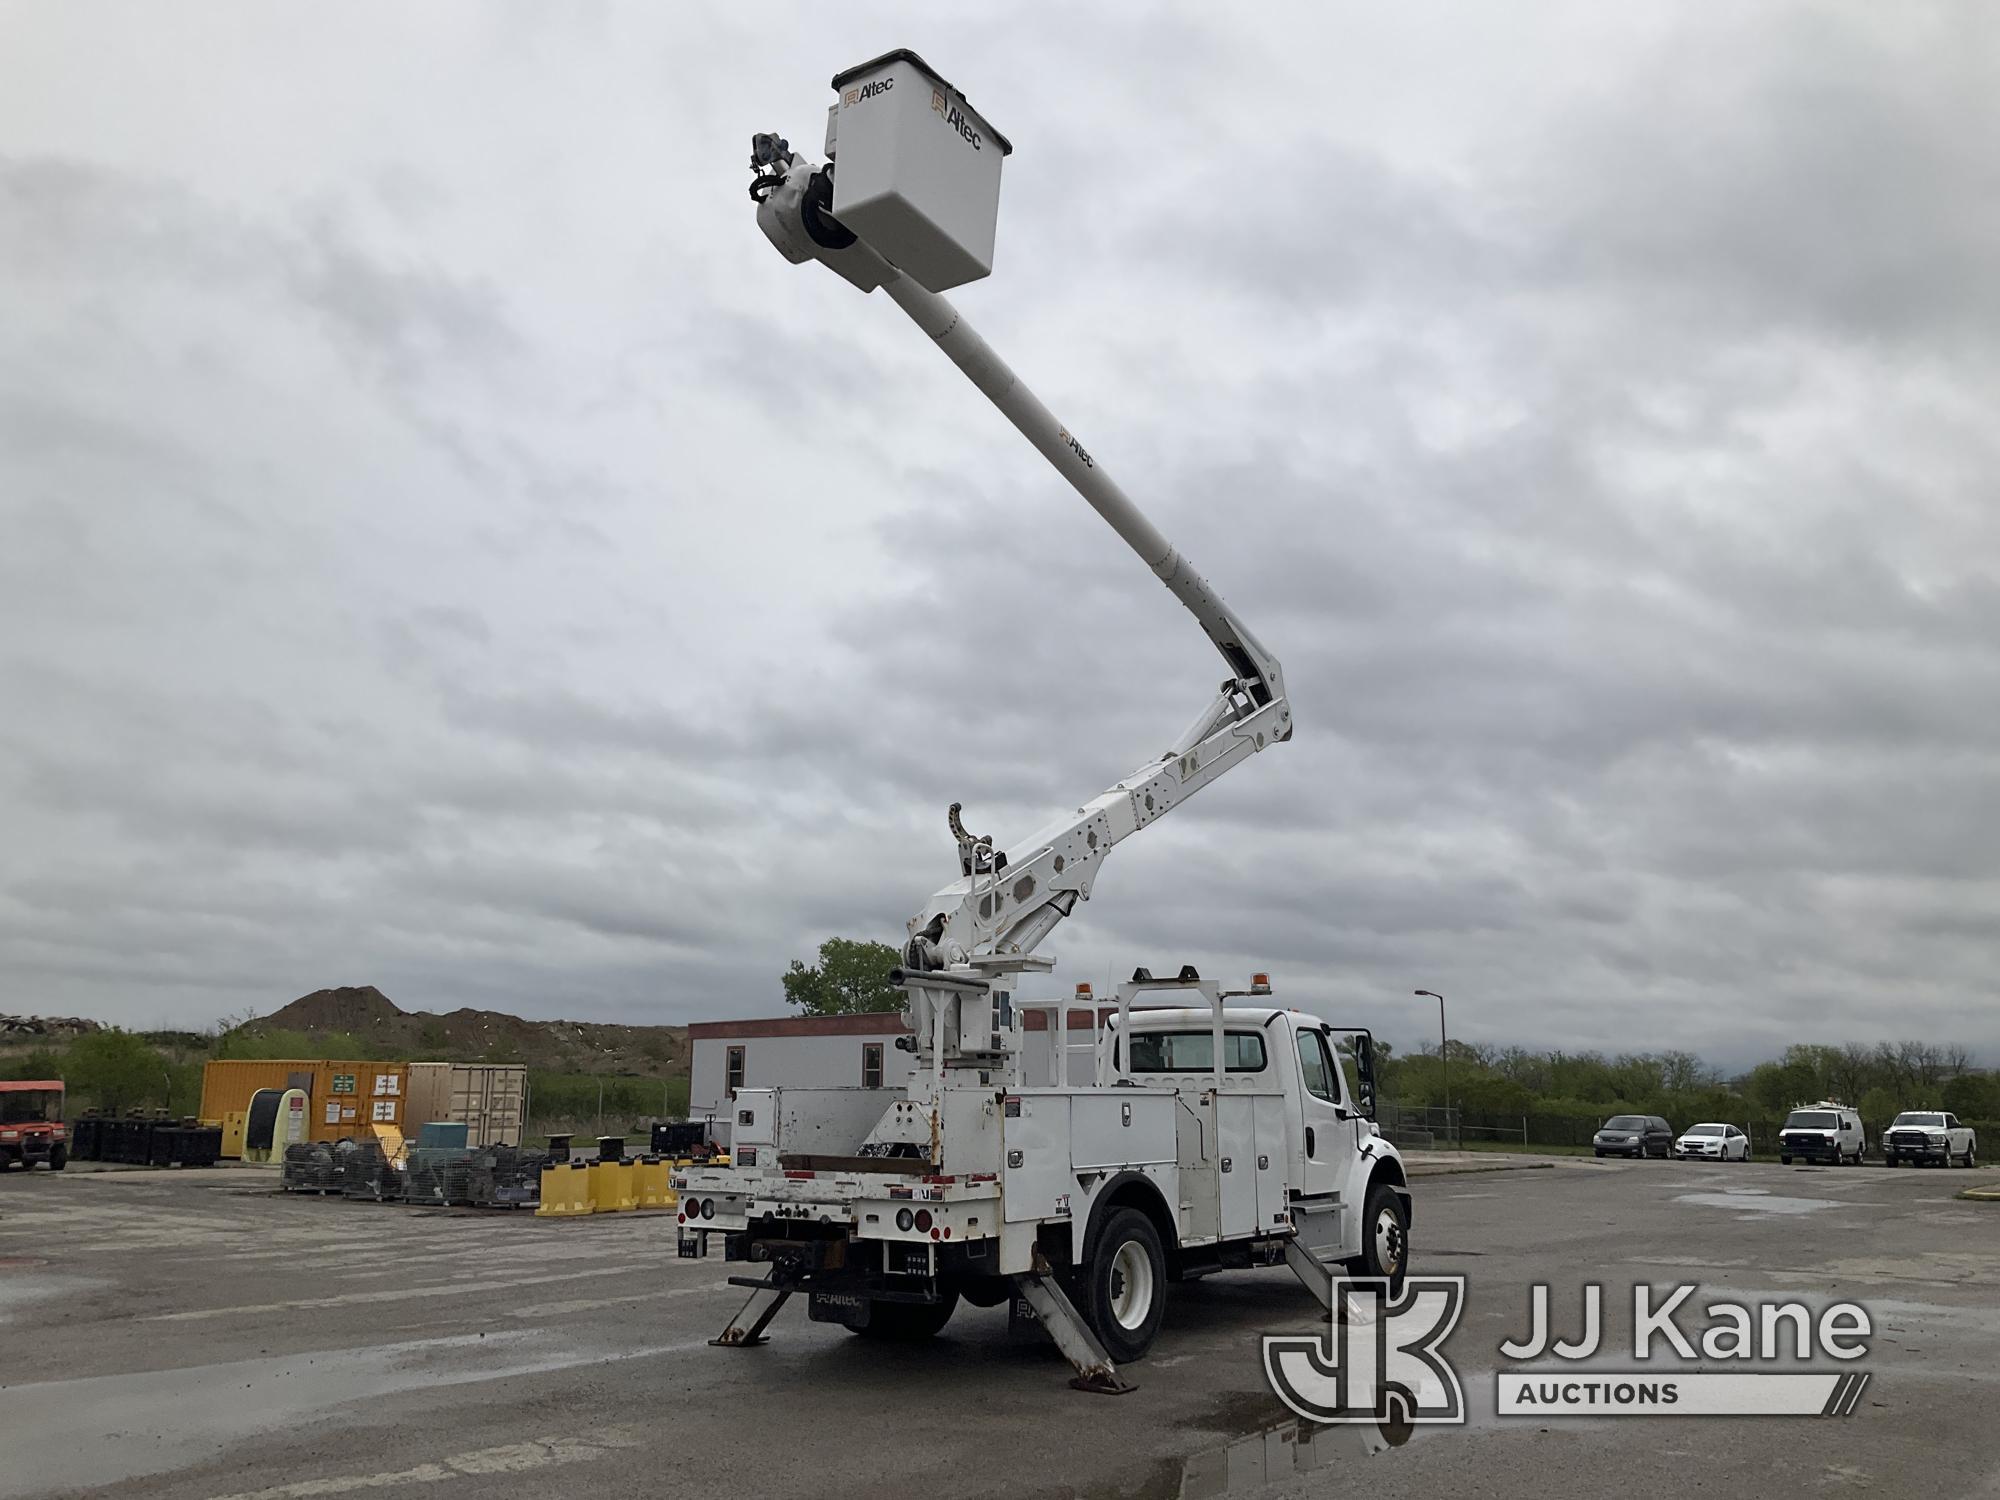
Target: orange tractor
x,y
31,1124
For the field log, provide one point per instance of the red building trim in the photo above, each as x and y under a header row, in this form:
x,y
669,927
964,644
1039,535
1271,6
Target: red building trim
x,y
868,1023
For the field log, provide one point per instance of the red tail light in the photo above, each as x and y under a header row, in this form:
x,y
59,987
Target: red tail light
x,y
923,1220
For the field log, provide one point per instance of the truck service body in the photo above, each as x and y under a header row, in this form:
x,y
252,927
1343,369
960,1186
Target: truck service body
x,y
959,1190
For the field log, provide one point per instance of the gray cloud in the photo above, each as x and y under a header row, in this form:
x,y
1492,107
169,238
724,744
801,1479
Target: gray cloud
x,y
451,552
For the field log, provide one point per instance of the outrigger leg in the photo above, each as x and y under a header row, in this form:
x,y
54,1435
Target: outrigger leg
x,y
1094,1371
746,1329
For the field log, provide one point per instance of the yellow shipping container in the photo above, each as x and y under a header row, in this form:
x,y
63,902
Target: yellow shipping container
x,y
343,1099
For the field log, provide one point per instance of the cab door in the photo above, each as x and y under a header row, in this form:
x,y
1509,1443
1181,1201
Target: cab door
x,y
1326,1136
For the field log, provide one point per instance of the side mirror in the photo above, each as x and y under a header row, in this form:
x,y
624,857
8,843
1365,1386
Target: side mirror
x,y
1361,1045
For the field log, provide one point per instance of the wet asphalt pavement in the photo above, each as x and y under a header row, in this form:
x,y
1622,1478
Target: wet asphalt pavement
x,y
194,1335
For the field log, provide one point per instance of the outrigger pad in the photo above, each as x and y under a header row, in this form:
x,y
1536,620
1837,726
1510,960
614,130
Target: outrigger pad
x,y
1059,1318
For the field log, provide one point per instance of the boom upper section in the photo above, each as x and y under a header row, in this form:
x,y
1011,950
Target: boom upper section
x,y
1004,903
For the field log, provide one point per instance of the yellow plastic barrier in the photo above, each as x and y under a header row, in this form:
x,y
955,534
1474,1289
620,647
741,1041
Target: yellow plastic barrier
x,y
565,1191
611,1187
655,1183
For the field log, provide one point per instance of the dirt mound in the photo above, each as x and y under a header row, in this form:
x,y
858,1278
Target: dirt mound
x,y
356,1008
466,1035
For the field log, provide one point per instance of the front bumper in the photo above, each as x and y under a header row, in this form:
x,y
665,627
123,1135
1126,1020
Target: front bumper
x,y
1810,1148
1939,1150
1698,1153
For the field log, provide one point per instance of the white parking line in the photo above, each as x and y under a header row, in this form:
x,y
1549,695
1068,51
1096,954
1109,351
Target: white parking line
x,y
511,1458
392,1294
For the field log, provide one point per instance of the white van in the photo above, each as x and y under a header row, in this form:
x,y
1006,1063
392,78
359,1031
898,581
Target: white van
x,y
1827,1131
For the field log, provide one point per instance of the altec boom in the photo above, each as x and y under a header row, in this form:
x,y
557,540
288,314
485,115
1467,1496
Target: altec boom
x,y
1206,1128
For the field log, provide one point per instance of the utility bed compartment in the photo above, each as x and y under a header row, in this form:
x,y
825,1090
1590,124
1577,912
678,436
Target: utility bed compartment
x,y
1048,1136
806,1122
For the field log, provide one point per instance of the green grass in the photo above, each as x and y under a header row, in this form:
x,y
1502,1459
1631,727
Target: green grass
x,y
1514,1146
571,1101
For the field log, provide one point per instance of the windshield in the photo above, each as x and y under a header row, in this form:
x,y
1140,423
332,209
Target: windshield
x,y
1194,1051
1704,1130
1626,1122
1812,1119
1935,1121
30,1104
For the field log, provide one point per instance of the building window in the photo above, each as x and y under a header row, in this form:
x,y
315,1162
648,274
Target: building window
x,y
871,1065
735,1070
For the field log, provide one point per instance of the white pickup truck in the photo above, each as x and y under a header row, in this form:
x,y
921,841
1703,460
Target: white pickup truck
x,y
1918,1136
1080,1202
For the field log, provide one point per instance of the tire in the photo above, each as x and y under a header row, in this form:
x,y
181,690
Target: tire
x,y
985,1291
1784,1161
908,1322
1125,1285
58,1158
1385,1238
1972,1155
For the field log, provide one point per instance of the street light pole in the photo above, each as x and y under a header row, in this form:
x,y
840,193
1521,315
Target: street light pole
x,y
1444,1059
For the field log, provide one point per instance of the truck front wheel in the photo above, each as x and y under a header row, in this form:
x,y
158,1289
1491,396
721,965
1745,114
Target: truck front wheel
x,y
1125,1285
1385,1237
58,1158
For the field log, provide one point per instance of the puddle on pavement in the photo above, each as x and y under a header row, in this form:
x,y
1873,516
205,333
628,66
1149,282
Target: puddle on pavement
x,y
1271,1447
101,1429
1281,1452
1757,1201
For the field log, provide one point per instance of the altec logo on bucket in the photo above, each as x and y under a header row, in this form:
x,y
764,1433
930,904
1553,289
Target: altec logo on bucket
x,y
867,91
955,117
1380,1358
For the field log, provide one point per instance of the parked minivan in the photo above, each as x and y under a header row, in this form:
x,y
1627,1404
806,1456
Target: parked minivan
x,y
1634,1135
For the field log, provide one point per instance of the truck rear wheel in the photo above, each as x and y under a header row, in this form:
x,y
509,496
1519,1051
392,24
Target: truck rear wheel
x,y
1125,1285
908,1322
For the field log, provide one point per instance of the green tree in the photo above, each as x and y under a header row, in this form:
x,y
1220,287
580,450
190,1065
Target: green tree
x,y
115,1070
1973,1096
851,977
1877,1108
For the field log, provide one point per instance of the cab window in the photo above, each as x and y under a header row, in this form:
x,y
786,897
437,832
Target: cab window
x,y
1194,1052
1314,1069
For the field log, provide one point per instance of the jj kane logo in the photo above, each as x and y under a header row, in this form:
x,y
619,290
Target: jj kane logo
x,y
955,117
1380,1359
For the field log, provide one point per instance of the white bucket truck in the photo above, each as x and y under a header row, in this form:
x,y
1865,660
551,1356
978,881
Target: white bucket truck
x,y
1199,1129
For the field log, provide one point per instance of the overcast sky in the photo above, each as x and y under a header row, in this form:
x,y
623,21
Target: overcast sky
x,y
443,546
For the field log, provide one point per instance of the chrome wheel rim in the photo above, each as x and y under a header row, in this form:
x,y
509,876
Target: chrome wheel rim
x,y
1389,1241
1131,1285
